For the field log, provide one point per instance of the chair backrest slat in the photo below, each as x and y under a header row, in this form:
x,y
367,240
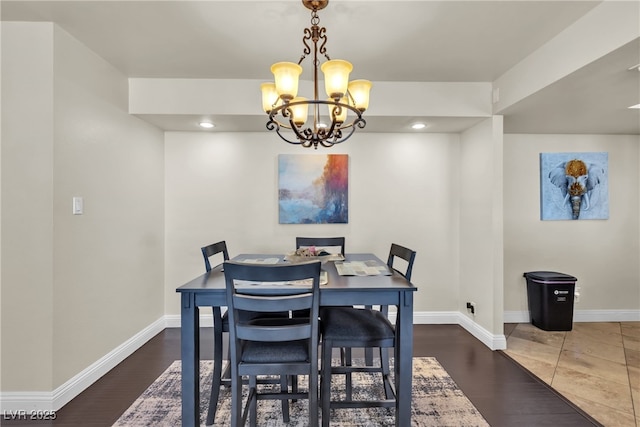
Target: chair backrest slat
x,y
321,242
261,303
267,333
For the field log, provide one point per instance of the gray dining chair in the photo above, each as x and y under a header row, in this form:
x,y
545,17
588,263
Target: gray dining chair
x,y
350,327
221,326
272,345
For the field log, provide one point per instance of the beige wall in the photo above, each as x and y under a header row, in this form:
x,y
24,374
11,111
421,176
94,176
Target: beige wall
x,y
480,225
402,188
27,207
74,287
602,254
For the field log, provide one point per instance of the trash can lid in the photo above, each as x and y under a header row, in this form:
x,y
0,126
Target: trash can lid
x,y
550,276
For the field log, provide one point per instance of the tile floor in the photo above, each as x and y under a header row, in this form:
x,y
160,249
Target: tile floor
x,y
595,365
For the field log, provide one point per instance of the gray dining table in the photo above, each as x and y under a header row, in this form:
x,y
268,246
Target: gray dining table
x,y
208,290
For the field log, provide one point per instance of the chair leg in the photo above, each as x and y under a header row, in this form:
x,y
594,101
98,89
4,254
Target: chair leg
x,y
325,391
217,365
348,382
236,401
293,380
386,373
284,388
226,375
252,402
368,356
313,395
368,351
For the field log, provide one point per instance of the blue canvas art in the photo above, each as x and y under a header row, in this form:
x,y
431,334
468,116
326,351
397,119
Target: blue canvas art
x,y
313,189
574,186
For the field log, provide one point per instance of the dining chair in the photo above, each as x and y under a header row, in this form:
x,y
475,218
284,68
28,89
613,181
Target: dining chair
x,y
213,249
330,244
350,327
272,345
220,325
322,242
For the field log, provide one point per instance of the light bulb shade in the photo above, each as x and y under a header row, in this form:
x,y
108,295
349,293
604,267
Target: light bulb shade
x,y
286,75
359,90
269,96
337,112
300,111
336,77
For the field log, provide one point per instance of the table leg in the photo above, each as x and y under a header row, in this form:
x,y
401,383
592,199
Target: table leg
x,y
190,353
403,363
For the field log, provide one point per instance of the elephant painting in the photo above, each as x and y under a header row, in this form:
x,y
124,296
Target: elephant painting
x,y
577,179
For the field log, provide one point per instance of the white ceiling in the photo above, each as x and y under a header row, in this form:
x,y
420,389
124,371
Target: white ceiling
x,y
410,41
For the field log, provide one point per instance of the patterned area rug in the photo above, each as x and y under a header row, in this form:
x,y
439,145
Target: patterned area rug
x,y
437,401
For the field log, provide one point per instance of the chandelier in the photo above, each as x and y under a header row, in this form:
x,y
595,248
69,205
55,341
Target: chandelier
x,y
342,109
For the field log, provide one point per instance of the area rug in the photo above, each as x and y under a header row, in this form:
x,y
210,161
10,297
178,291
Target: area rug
x,y
436,401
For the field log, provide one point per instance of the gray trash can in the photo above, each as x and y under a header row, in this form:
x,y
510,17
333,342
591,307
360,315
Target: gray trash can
x,y
550,297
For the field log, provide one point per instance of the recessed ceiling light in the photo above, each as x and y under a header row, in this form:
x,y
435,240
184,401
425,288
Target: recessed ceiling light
x,y
207,125
418,126
637,106
635,67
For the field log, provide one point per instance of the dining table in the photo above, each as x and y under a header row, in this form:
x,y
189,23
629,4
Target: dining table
x,y
386,287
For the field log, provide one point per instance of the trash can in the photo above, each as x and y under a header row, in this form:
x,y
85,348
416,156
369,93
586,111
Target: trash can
x,y
550,297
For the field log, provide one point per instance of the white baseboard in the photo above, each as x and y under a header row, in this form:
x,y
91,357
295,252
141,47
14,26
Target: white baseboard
x,y
494,342
53,401
173,320
581,316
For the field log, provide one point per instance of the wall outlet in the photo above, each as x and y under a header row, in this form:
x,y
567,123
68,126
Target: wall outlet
x,y
471,306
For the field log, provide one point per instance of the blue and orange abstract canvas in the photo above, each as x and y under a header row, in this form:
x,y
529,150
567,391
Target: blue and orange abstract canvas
x,y
313,189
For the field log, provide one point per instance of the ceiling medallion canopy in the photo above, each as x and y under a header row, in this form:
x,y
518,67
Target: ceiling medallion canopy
x,y
342,109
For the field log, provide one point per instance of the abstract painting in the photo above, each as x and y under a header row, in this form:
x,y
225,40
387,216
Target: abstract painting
x,y
313,189
574,186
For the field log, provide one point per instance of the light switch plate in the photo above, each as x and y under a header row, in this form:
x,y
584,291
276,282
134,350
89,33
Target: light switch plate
x,y
78,206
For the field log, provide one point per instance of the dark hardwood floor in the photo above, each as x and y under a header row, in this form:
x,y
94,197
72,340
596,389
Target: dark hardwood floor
x,y
505,393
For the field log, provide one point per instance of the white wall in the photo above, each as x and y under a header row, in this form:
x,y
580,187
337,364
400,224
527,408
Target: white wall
x,y
402,189
481,234
110,260
602,254
74,287
27,204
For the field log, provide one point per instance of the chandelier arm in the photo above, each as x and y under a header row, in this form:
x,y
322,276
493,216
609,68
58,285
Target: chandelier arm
x,y
349,96
305,135
285,111
338,140
284,137
307,49
359,123
300,135
323,37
